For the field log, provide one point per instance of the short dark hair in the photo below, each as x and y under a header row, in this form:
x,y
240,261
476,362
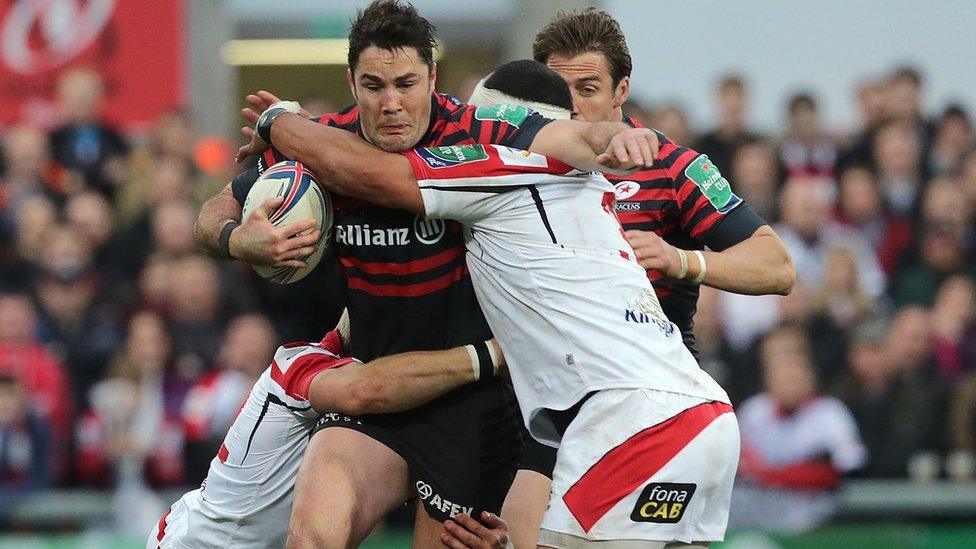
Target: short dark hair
x,y
530,80
906,73
391,25
585,31
732,81
802,100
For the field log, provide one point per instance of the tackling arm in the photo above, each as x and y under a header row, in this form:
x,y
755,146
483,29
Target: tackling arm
x,y
347,165
394,383
597,146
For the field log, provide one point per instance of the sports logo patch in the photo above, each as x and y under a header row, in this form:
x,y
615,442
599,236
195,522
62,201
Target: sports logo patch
x,y
663,502
711,183
503,113
625,189
443,157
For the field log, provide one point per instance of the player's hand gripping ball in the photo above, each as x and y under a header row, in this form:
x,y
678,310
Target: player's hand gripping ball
x,y
303,199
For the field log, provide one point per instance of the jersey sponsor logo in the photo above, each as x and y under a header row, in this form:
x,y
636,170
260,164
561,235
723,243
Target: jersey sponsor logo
x,y
429,231
716,188
511,114
518,157
625,189
445,157
638,317
627,206
663,502
433,499
648,311
364,235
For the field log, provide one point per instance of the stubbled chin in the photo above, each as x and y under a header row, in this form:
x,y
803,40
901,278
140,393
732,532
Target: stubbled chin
x,y
396,144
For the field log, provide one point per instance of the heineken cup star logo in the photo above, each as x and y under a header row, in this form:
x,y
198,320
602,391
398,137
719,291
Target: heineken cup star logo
x,y
705,167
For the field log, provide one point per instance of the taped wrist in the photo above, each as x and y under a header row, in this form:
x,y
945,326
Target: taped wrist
x,y
223,241
263,127
484,360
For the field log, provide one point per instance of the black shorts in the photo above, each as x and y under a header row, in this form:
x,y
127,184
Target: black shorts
x,y
461,449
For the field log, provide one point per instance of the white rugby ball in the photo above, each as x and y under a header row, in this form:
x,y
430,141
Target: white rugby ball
x,y
304,199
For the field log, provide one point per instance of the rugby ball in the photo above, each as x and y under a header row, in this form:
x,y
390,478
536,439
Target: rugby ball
x,y
304,199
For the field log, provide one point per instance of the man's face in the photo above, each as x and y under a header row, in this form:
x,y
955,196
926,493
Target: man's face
x,y
595,98
392,89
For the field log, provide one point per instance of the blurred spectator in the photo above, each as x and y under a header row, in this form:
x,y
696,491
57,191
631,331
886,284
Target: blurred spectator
x,y
85,143
172,228
77,325
195,316
719,144
944,246
28,173
967,176
796,444
755,177
132,419
806,150
954,327
23,357
897,402
26,463
739,378
904,103
898,157
953,137
214,401
861,207
840,305
809,234
672,121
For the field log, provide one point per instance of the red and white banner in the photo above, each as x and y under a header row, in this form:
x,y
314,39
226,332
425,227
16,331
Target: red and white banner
x,y
136,45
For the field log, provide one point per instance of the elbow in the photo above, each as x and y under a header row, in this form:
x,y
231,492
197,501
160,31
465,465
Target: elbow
x,y
785,275
365,396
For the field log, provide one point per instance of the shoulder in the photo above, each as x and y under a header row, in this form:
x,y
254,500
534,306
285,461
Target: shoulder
x,y
344,119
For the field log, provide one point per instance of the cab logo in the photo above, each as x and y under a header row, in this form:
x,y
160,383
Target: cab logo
x,y
663,502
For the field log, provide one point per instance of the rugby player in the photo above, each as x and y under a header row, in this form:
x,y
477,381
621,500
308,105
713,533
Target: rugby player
x,y
246,499
671,212
406,288
648,445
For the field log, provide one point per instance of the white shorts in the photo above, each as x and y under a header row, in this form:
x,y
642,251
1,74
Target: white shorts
x,y
643,465
191,523
172,529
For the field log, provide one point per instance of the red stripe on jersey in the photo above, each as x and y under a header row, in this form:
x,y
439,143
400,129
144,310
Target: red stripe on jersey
x,y
222,453
705,223
298,378
676,169
624,468
416,266
409,290
161,526
640,216
641,176
493,166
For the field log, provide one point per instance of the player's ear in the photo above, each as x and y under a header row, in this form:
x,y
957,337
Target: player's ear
x,y
352,85
433,76
622,92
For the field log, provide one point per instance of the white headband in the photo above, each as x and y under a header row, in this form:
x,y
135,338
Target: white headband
x,y
486,97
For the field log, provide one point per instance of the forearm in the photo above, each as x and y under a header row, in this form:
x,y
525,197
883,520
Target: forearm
x,y
214,214
576,143
344,163
758,265
407,380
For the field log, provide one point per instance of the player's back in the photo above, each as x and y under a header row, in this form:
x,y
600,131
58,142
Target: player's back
x,y
557,280
245,501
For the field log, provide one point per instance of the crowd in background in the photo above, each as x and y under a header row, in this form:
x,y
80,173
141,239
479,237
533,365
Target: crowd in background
x,y
122,348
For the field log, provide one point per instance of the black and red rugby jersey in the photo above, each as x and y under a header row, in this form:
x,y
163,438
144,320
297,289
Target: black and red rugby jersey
x,y
405,279
688,214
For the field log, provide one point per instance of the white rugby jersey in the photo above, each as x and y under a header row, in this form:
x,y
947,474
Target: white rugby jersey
x,y
246,499
556,279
